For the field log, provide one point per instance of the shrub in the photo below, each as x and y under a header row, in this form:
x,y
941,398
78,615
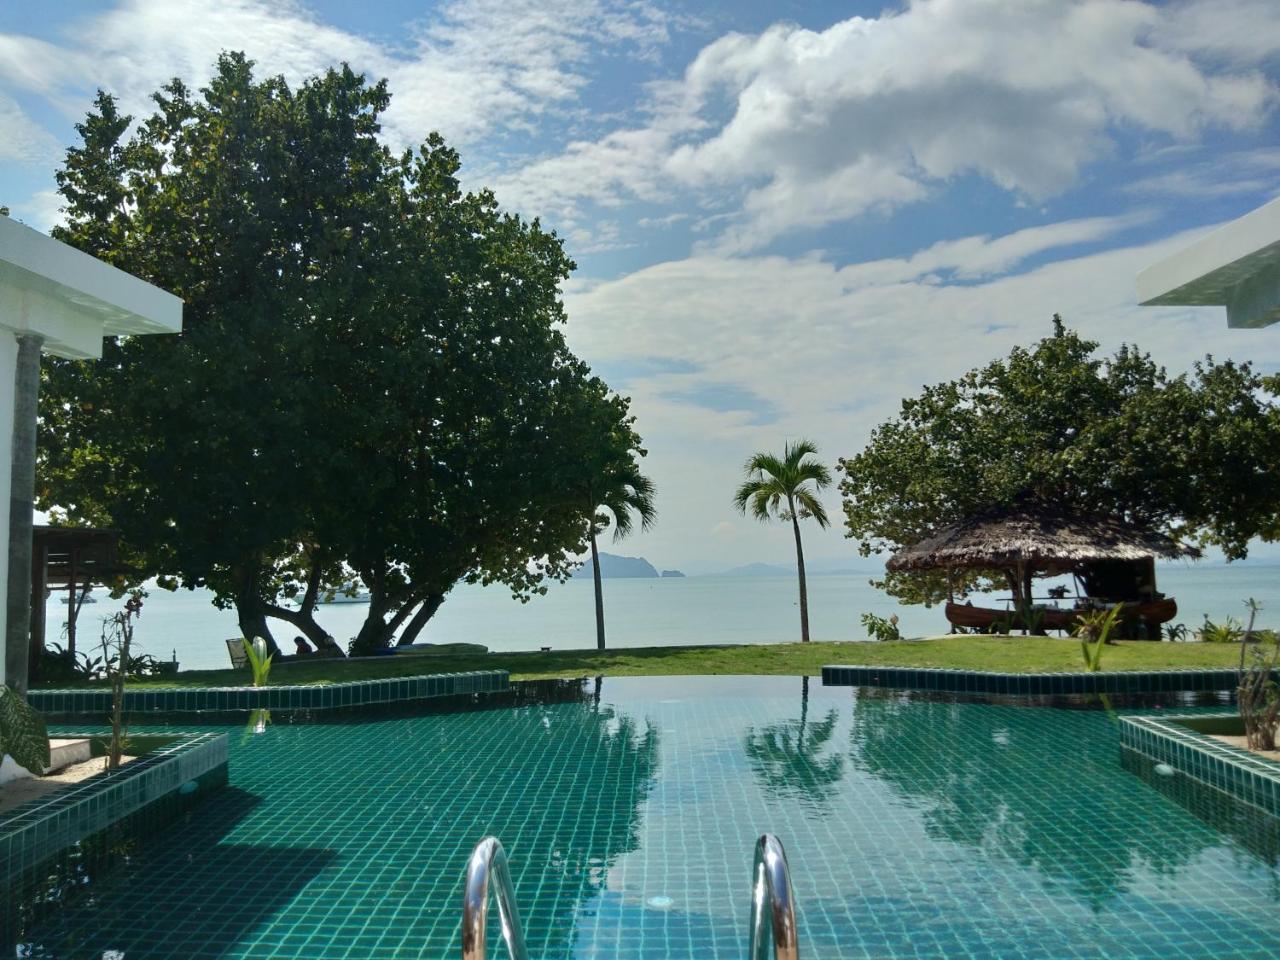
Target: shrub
x,y
882,628
1094,630
1228,631
22,733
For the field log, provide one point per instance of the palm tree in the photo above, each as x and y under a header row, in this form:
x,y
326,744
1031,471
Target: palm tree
x,y
780,488
625,494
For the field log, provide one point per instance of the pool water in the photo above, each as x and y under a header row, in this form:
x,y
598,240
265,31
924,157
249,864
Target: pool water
x,y
915,827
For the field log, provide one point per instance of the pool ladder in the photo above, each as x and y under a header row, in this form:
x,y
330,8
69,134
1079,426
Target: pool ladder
x,y
773,904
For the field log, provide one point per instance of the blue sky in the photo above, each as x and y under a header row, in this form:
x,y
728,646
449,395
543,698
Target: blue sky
x,y
786,216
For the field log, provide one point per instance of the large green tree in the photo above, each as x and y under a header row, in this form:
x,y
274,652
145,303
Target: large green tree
x,y
787,488
371,380
1191,455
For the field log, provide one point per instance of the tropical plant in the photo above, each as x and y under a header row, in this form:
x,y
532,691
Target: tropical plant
x,y
1176,632
1094,631
22,732
884,629
787,488
1059,423
1258,695
1003,625
624,495
117,638
1228,631
259,659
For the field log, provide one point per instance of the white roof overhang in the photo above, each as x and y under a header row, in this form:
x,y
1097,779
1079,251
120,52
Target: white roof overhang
x,y
72,299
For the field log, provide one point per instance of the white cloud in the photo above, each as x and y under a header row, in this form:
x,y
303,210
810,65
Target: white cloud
x,y
475,68
814,127
971,258
834,350
22,139
1224,175
1240,31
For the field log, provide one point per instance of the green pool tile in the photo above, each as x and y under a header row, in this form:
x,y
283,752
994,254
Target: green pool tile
x,y
917,826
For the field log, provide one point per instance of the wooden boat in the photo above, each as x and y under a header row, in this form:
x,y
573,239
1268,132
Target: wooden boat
x,y
1055,618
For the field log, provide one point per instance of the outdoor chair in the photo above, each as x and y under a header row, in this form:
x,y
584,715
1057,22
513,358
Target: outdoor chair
x,y
239,658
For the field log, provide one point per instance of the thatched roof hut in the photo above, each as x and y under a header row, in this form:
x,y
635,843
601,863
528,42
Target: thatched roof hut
x,y
1035,537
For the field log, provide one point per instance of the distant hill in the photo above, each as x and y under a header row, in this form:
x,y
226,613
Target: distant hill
x,y
614,567
672,574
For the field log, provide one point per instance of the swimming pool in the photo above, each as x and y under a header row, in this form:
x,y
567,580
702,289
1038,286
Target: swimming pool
x,y
915,826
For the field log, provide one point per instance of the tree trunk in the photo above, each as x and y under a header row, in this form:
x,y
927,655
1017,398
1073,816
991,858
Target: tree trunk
x,y
804,590
252,615
374,632
595,565
425,612
304,620
22,495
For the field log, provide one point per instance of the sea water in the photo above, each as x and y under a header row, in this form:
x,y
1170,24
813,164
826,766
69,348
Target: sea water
x,y
641,613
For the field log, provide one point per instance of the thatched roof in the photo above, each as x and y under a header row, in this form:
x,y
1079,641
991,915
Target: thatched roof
x,y
1040,537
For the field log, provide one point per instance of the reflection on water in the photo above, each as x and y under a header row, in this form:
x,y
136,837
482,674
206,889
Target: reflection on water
x,y
797,759
1008,781
916,826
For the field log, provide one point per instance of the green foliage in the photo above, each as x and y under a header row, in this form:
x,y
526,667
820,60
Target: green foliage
x,y
882,628
117,638
59,665
259,660
22,732
1094,630
371,380
1176,632
1191,454
1229,631
787,488
780,486
1257,694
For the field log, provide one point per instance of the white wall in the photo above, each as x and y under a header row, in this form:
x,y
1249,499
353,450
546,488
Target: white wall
x,y
8,370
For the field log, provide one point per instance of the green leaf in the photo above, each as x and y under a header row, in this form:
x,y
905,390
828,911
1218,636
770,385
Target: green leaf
x,y
22,732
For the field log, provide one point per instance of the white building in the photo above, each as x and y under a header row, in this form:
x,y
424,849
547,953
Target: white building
x,y
1236,266
56,300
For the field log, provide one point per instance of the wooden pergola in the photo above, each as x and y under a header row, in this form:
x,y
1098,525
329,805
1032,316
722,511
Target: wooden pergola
x,y
71,559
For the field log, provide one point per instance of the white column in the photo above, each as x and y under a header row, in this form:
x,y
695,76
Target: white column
x,y
8,371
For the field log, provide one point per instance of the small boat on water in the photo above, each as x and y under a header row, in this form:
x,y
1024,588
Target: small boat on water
x,y
80,600
348,593
1056,618
361,597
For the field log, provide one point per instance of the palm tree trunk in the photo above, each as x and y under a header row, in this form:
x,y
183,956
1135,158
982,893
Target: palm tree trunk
x,y
595,569
804,590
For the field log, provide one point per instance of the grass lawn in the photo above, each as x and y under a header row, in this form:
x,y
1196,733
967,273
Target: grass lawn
x,y
1000,654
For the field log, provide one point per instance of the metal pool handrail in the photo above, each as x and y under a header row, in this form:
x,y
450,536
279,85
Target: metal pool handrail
x,y
489,860
773,905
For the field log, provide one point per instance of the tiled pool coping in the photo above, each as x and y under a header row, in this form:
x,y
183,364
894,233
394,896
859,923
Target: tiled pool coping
x,y
1029,684
1239,773
327,696
34,832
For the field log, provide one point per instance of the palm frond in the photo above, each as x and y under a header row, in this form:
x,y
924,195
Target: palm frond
x,y
772,480
812,506
628,495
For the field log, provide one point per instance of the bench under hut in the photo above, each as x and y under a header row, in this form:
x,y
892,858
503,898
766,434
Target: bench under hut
x,y
1112,562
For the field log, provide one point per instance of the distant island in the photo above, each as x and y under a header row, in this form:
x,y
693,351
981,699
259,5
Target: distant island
x,y
672,574
614,567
